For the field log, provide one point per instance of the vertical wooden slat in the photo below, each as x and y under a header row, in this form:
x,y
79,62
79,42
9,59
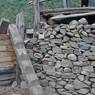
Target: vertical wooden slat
x,y
36,15
20,23
65,3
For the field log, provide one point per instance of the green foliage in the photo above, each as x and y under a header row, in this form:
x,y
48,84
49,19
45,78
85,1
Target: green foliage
x,y
10,8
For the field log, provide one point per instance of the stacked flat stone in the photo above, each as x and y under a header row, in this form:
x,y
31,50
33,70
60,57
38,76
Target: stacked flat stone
x,y
64,59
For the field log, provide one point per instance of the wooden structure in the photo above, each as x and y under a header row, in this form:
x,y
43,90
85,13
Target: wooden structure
x,y
24,62
20,24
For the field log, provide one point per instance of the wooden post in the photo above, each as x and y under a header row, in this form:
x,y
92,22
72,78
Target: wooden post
x,y
25,62
65,3
20,24
36,15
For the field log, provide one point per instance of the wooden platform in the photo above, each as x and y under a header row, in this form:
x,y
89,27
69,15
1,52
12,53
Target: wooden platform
x,y
7,60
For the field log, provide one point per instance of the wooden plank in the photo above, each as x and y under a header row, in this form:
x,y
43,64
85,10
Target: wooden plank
x,y
4,27
5,42
8,59
60,17
7,77
25,62
4,37
6,48
6,54
67,10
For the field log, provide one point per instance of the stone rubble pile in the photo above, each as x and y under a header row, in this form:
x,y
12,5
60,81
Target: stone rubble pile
x,y
64,59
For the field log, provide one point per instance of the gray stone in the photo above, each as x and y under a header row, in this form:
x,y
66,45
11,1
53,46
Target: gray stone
x,y
56,41
69,34
72,57
68,76
93,26
87,82
84,46
50,70
67,70
57,28
57,50
91,57
69,87
83,21
93,85
51,36
38,55
76,70
23,85
44,83
59,36
65,93
92,79
59,56
81,77
14,84
74,44
93,63
65,39
52,84
54,32
88,69
49,90
60,91
63,32
89,94
73,24
55,94
79,85
58,64
66,63
58,86
83,91
93,91
61,82
92,48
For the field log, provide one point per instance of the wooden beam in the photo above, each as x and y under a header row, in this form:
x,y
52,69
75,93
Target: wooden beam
x,y
36,15
65,3
25,63
60,17
20,23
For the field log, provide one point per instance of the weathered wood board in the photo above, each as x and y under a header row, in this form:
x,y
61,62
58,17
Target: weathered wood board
x,y
25,63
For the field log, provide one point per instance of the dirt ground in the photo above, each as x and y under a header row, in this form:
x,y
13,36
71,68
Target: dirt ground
x,y
13,91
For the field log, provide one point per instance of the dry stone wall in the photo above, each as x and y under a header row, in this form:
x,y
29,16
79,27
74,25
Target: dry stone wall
x,y
64,58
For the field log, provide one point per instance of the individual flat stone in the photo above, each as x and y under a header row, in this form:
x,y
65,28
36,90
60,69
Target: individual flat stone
x,y
83,21
84,46
66,63
61,82
59,56
92,79
38,55
69,87
79,85
93,85
57,50
83,91
88,69
93,91
81,77
72,57
68,76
